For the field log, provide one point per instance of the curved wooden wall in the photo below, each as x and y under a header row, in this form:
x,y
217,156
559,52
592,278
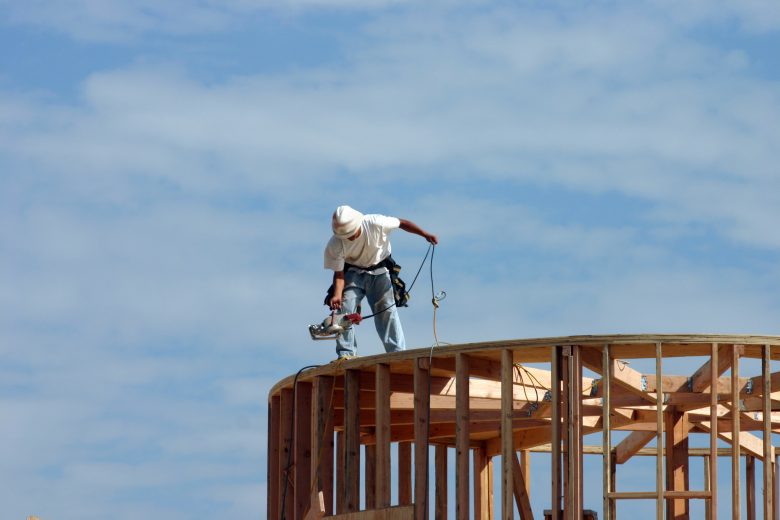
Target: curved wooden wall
x,y
502,400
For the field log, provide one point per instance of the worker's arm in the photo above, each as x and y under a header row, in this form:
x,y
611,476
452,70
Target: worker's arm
x,y
411,227
338,290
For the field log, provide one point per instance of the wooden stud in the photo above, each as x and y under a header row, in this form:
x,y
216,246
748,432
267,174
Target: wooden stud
x,y
352,440
575,428
525,467
565,429
382,436
613,489
440,463
286,491
713,457
522,499
483,484
462,438
302,453
707,487
322,441
272,506
767,410
750,487
659,482
677,428
606,406
422,401
507,439
370,477
404,473
555,434
735,444
341,486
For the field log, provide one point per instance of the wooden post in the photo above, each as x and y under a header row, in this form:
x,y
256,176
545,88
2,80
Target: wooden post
x,y
370,477
286,492
341,486
302,454
750,486
613,488
382,436
677,428
575,435
555,434
483,485
422,400
606,406
713,457
507,439
659,468
707,487
565,429
322,440
440,458
525,468
766,372
735,446
404,473
352,440
272,506
462,437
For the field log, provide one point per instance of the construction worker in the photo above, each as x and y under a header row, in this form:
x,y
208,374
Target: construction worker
x,y
358,253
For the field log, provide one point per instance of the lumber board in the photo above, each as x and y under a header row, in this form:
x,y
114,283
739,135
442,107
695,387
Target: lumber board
x,y
382,430
390,513
462,437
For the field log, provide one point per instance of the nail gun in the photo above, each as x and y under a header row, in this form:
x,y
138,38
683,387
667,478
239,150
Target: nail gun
x,y
333,326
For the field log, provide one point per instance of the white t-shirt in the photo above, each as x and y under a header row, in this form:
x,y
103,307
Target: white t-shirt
x,y
370,248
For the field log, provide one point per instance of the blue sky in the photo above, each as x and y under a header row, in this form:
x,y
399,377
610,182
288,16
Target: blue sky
x,y
168,170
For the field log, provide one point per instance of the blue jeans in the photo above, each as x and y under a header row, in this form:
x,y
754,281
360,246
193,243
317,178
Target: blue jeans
x,y
379,293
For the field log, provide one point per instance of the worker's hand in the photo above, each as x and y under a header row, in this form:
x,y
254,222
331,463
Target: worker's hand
x,y
431,238
335,303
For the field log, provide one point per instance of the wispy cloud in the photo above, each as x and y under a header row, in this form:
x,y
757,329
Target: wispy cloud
x,y
600,168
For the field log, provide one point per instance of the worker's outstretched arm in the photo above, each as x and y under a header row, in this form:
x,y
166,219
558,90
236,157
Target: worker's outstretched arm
x,y
411,227
338,290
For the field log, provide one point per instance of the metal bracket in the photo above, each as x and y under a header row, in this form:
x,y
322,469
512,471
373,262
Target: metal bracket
x,y
690,384
547,396
749,387
644,383
594,390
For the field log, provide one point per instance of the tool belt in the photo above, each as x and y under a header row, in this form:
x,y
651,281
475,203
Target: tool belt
x,y
399,287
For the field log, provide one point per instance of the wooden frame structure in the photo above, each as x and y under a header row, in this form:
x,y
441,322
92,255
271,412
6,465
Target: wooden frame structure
x,y
495,403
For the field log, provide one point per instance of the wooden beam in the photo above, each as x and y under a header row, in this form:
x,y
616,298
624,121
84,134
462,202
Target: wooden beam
x,y
421,426
440,464
462,437
382,436
629,446
352,440
507,439
522,499
302,454
703,378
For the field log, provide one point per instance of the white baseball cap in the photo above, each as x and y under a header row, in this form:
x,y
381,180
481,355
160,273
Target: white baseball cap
x,y
346,221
